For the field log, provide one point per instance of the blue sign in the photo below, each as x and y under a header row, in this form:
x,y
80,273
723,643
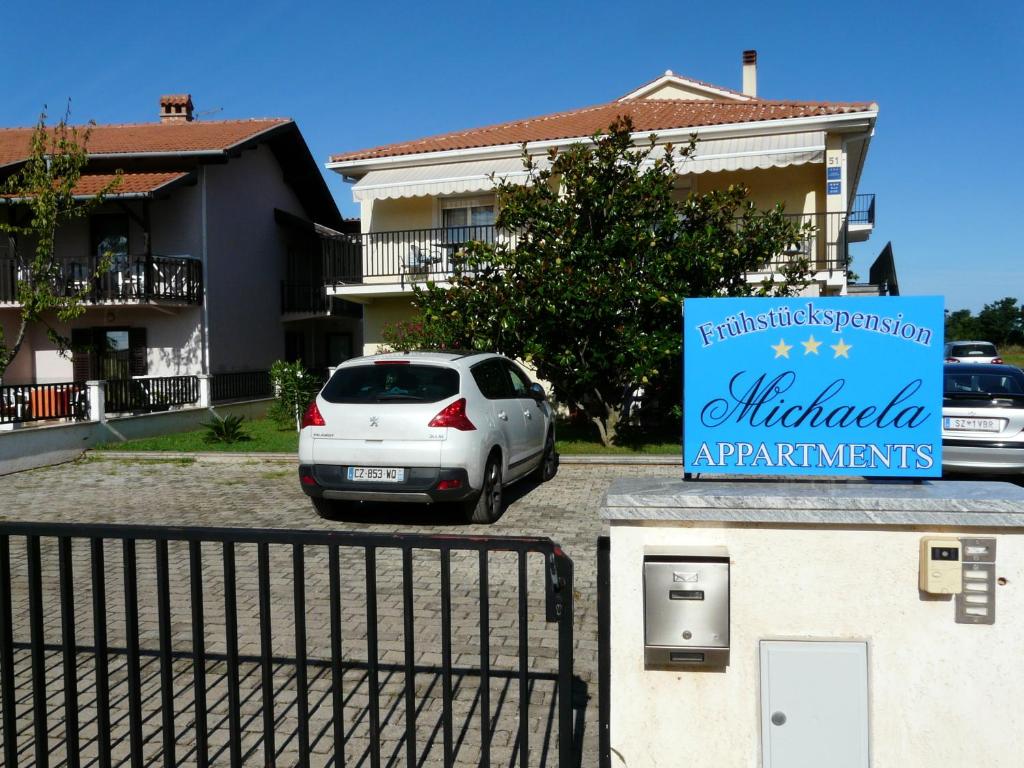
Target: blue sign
x,y
835,187
813,386
834,173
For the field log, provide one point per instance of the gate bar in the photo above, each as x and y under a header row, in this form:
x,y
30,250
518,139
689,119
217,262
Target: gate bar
x,y
7,657
195,565
99,631
410,658
485,664
131,624
301,683
35,610
337,671
163,589
266,655
67,632
231,641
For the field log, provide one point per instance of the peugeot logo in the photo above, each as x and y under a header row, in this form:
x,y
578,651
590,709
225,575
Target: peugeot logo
x,y
374,421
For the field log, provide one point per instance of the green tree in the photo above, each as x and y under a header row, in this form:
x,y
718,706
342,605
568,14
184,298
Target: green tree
x,y
588,285
1002,322
961,324
40,198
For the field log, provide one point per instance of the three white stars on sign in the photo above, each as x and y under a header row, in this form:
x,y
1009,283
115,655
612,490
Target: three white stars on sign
x,y
841,348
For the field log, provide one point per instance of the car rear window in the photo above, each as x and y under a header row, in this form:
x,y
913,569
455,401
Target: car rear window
x,y
963,383
387,383
973,350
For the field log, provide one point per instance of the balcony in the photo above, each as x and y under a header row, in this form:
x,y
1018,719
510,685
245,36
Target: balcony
x,y
304,299
862,218
131,279
380,264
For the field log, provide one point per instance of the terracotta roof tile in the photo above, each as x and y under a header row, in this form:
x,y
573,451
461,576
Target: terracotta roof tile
x,y
647,115
131,183
143,138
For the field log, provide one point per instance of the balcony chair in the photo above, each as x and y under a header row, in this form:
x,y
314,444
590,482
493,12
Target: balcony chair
x,y
419,261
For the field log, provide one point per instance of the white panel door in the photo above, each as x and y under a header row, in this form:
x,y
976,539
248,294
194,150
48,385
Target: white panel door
x,y
814,704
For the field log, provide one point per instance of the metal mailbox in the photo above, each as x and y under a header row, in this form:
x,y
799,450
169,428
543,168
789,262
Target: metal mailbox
x,y
686,607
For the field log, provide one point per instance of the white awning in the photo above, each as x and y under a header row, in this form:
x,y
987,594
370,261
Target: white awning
x,y
441,179
775,151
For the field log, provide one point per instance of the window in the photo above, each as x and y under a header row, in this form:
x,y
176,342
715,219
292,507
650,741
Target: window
x,y
492,380
520,381
973,350
108,233
468,219
109,353
391,383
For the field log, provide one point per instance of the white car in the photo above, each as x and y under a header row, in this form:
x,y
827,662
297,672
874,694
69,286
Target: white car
x,y
983,419
426,427
971,352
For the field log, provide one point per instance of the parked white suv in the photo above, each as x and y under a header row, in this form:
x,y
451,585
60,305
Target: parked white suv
x,y
426,427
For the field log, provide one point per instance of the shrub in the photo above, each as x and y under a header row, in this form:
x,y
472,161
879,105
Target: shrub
x,y
294,388
225,430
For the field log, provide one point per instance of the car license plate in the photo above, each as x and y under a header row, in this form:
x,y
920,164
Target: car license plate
x,y
955,424
376,474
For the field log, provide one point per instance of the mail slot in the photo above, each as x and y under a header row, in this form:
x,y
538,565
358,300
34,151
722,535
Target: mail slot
x,y
686,607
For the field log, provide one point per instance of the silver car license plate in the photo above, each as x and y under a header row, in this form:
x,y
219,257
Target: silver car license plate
x,y
957,424
376,474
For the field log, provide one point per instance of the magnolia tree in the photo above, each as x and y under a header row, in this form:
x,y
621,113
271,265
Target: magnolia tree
x,y
39,198
588,285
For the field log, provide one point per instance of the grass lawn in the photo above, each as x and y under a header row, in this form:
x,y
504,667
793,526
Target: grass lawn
x,y
1013,355
266,436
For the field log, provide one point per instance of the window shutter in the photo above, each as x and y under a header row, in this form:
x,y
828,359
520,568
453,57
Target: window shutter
x,y
138,364
81,354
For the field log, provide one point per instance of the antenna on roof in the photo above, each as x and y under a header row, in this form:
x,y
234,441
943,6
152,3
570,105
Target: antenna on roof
x,y
206,112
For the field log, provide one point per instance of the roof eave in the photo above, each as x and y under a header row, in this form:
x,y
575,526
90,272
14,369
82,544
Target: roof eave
x,y
849,121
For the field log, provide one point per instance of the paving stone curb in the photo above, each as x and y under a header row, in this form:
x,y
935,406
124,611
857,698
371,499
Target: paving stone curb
x,y
226,456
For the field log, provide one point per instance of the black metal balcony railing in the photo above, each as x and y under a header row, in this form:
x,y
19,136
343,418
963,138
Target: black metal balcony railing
x,y
415,255
240,385
130,278
303,298
23,403
863,210
149,394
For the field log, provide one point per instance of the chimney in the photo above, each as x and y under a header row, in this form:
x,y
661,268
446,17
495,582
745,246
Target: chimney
x,y
750,73
177,108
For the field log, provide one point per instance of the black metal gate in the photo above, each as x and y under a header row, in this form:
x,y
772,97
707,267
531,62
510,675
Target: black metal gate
x,y
137,645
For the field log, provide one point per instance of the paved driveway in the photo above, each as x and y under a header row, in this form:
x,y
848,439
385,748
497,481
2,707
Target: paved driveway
x,y
265,495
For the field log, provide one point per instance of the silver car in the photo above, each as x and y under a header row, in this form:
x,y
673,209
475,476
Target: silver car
x,y
983,418
426,427
971,352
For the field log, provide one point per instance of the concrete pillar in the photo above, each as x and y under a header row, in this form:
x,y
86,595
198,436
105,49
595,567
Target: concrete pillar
x,y
205,398
97,392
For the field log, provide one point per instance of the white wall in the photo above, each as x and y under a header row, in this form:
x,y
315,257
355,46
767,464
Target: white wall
x,y
941,693
246,260
33,447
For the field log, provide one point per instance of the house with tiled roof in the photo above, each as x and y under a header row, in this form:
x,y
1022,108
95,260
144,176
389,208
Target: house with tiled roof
x,y
217,230
420,200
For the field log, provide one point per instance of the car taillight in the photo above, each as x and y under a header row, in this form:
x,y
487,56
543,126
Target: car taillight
x,y
453,416
952,360
312,417
997,360
449,485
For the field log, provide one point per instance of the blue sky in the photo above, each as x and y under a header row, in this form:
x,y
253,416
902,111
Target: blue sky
x,y
947,76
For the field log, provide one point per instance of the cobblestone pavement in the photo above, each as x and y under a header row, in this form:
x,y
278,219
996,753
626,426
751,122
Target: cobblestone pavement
x,y
265,495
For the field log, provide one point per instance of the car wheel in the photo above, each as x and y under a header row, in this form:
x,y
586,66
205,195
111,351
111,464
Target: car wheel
x,y
549,462
329,509
486,507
